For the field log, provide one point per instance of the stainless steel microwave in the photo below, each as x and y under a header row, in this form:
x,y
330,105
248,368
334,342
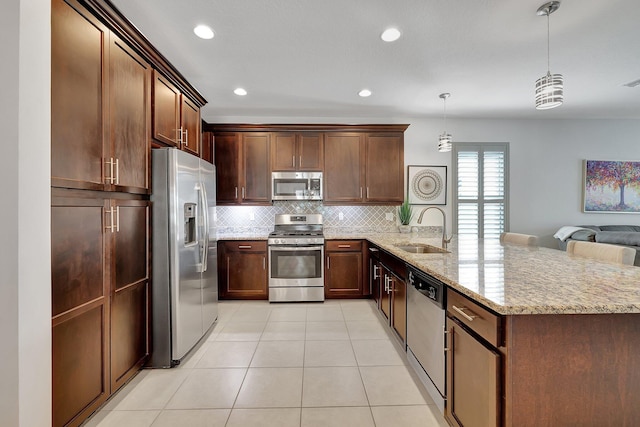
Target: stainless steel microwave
x,y
296,186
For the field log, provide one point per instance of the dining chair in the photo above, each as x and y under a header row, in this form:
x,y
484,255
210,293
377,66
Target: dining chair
x,y
519,239
602,251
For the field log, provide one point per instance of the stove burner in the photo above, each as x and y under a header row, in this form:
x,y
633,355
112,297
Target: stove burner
x,y
290,230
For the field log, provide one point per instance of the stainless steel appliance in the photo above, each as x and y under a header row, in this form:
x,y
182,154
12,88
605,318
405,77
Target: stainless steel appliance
x,y
184,294
426,303
296,258
296,185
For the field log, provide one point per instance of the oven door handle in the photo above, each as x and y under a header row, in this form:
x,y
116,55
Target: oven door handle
x,y
295,248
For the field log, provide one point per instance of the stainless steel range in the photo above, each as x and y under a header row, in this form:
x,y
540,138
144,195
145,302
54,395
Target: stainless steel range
x,y
296,258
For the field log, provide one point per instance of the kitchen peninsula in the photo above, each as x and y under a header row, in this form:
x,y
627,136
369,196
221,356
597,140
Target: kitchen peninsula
x,y
567,330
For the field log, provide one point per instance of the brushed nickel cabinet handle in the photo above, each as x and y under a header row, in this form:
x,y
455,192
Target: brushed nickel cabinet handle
x,y
300,161
344,246
293,161
117,171
242,193
236,192
244,246
264,263
328,263
463,314
186,137
367,192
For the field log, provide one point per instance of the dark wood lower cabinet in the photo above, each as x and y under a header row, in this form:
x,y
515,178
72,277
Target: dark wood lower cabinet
x,y
130,292
100,299
343,269
242,270
473,378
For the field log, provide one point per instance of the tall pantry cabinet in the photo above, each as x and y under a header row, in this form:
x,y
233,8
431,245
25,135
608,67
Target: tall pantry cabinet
x,y
100,141
101,133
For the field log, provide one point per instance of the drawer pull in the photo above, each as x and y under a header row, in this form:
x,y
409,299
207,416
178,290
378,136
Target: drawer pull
x,y
244,247
463,314
344,246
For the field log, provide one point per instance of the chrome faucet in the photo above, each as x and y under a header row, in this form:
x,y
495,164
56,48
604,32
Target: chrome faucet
x,y
445,240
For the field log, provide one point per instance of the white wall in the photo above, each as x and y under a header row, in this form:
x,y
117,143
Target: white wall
x,y
25,264
545,162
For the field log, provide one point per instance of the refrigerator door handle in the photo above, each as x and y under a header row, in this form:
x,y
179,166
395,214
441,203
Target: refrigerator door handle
x,y
205,216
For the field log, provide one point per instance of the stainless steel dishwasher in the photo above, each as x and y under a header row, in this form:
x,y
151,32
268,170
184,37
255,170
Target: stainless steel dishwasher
x,y
426,303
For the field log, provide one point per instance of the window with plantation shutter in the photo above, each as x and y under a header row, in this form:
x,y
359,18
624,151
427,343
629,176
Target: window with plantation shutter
x,y
480,193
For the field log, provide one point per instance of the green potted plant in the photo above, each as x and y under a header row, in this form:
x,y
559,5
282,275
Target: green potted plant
x,y
405,213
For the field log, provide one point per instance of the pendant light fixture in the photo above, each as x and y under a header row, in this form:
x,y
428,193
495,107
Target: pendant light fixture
x,y
445,140
549,88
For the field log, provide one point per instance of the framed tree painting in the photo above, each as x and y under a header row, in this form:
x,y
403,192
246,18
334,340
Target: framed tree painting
x,y
611,186
427,185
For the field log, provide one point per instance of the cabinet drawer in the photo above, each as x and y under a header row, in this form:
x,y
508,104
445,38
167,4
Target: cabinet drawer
x,y
344,245
246,246
474,316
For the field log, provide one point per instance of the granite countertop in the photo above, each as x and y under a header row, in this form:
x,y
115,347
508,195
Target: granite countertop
x,y
512,279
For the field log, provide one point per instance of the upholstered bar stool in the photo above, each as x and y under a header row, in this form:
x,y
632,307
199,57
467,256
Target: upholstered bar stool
x,y
519,239
602,251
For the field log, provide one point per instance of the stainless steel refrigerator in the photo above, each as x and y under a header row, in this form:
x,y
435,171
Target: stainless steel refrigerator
x,y
184,291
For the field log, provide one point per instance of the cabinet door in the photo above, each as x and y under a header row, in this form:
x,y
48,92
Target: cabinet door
x,y
343,275
385,168
343,171
129,290
283,152
129,118
80,308
310,151
385,292
190,126
78,107
243,270
207,147
256,176
399,303
227,156
166,111
473,398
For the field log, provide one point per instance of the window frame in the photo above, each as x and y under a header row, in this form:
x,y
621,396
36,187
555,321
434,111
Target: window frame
x,y
480,148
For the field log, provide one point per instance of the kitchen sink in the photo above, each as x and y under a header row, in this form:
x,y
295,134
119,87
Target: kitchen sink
x,y
420,248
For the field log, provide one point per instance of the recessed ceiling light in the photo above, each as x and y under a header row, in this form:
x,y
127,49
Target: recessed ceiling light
x,y
240,91
364,93
390,35
203,32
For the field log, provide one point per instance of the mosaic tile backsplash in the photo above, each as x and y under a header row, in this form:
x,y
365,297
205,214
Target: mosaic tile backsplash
x,y
356,219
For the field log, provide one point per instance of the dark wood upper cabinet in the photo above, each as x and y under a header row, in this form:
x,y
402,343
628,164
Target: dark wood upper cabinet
x,y
344,168
362,164
166,111
190,126
207,151
384,166
256,176
242,168
129,117
78,97
100,106
297,151
227,157
176,119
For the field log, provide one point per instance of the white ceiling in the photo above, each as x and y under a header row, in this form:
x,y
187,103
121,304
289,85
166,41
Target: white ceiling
x,y
309,58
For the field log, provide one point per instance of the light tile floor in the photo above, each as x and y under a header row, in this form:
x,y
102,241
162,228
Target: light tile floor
x,y
300,365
